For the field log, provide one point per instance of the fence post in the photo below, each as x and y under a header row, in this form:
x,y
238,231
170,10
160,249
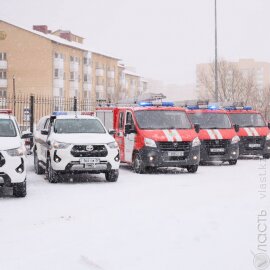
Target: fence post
x,y
32,116
75,104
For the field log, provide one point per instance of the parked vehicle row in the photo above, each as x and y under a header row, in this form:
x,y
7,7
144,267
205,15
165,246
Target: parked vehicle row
x,y
147,135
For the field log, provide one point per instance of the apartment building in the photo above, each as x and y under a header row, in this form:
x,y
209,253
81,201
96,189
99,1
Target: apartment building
x,y
56,63
260,71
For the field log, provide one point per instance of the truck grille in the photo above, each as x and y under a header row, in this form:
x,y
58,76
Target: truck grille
x,y
215,144
247,142
2,160
174,146
82,151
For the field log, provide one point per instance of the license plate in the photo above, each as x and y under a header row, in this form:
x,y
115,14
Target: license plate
x,y
176,153
89,160
217,150
254,145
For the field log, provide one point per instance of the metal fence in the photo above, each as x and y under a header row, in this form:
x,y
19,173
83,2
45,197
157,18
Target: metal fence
x,y
28,109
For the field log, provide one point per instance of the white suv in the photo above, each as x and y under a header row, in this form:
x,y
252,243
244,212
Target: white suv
x,y
12,155
75,143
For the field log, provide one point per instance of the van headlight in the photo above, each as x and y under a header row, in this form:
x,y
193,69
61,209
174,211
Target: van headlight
x,y
17,152
149,142
113,145
268,137
235,140
60,145
196,142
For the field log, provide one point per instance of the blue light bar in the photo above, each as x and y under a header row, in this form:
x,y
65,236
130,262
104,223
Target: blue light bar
x,y
59,113
167,104
213,107
209,107
149,104
194,107
247,108
145,104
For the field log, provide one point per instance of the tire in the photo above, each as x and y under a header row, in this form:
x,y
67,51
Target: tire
x,y
192,168
233,161
138,165
151,169
51,174
266,156
38,168
19,189
203,163
112,175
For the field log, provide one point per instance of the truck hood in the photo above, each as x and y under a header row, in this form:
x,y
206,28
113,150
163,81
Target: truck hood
x,y
9,143
87,138
170,135
253,131
217,134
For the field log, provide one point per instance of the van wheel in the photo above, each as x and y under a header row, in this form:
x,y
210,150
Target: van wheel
x,y
112,175
192,168
19,189
138,166
51,174
266,156
233,161
38,168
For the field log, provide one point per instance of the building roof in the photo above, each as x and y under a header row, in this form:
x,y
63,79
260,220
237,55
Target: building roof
x,y
61,41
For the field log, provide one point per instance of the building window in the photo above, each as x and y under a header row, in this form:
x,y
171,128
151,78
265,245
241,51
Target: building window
x,y
72,76
3,56
85,78
56,73
71,59
3,93
3,74
61,92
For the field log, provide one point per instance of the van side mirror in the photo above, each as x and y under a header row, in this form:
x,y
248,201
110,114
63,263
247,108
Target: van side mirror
x,y
27,135
269,125
112,132
236,128
197,128
44,132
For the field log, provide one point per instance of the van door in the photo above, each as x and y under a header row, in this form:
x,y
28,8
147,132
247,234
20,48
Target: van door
x,y
129,139
119,136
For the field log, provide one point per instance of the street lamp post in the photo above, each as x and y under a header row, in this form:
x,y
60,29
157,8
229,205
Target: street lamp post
x,y
216,64
14,95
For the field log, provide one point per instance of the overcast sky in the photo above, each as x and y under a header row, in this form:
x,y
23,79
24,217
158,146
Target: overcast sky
x,y
163,39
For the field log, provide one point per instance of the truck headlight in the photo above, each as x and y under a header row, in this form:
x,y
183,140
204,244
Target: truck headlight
x,y
149,142
196,142
268,137
235,140
113,145
17,152
60,145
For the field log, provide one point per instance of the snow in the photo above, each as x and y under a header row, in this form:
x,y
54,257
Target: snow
x,y
169,220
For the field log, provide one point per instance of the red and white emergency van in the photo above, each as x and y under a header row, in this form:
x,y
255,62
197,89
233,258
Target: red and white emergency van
x,y
152,135
253,130
219,140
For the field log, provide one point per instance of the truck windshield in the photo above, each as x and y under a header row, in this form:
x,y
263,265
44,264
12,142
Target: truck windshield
x,y
211,120
64,126
7,128
162,119
248,119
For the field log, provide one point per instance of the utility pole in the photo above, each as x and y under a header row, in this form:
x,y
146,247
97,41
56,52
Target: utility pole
x,y
216,64
14,96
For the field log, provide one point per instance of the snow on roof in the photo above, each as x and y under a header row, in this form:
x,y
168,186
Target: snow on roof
x,y
132,73
62,41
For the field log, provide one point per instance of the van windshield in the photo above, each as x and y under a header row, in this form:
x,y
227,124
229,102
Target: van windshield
x,y
7,128
248,119
64,126
211,120
162,119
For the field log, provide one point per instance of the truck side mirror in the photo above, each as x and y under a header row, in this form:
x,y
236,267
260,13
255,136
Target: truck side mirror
x,y
27,135
44,132
127,129
112,132
236,128
269,125
197,128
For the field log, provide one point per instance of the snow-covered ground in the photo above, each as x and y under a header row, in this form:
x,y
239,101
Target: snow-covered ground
x,y
169,220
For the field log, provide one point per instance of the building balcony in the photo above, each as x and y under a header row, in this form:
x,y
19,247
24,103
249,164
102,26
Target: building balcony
x,y
3,64
99,88
74,85
58,83
58,63
87,86
87,69
110,74
99,72
74,66
3,83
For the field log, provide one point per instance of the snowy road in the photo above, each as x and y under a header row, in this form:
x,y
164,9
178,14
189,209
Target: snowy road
x,y
170,220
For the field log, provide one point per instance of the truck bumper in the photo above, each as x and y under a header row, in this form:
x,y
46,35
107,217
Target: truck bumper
x,y
245,148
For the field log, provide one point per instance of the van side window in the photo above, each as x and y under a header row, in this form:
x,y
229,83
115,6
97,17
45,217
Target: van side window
x,y
121,120
130,120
